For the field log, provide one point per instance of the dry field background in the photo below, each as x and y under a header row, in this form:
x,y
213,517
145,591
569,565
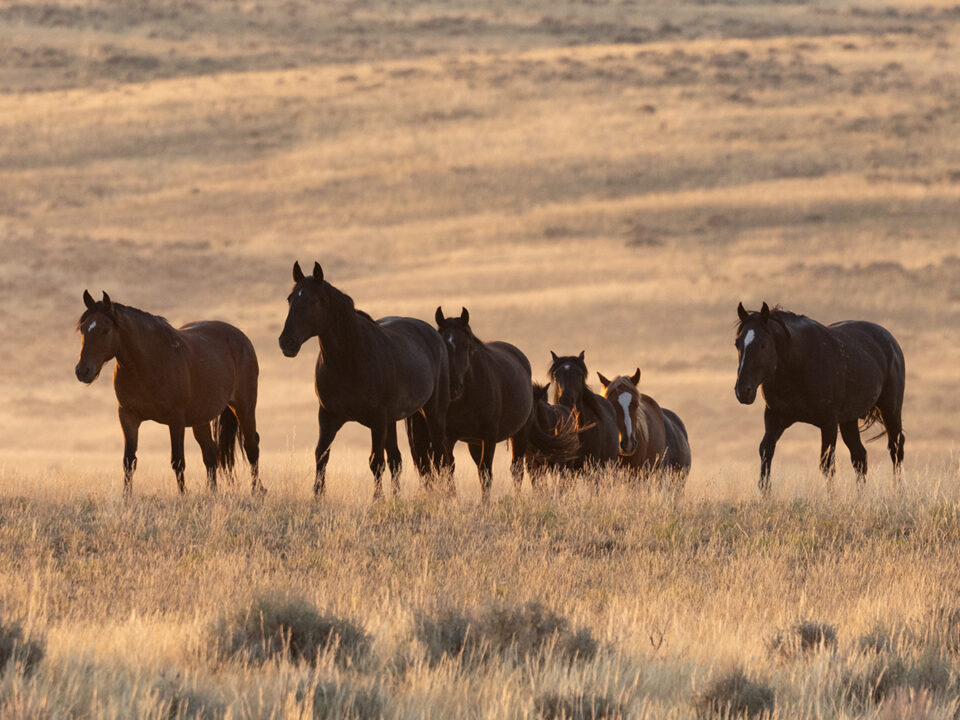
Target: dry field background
x,y
611,176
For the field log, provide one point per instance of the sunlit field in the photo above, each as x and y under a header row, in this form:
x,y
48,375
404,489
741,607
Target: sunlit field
x,y
612,177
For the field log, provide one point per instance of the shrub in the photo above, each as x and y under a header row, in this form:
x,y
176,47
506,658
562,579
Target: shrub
x,y
578,707
185,703
885,676
526,629
733,696
24,652
288,626
338,702
876,641
804,638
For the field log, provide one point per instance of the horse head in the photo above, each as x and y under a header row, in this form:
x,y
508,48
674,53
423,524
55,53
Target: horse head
x,y
759,337
100,337
461,345
623,394
569,376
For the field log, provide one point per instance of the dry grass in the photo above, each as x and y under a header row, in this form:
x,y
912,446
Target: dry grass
x,y
609,603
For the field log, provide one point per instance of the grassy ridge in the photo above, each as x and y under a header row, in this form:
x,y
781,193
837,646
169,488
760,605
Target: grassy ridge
x,y
455,610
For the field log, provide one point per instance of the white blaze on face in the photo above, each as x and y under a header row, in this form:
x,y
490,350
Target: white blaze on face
x,y
747,339
91,326
625,399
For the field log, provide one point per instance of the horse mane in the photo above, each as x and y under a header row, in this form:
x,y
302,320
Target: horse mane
x,y
776,313
154,322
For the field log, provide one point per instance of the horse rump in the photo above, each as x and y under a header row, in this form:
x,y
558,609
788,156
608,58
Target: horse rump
x,y
227,435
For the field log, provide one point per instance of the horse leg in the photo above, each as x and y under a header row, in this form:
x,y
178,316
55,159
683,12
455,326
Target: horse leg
x,y
828,449
247,419
378,441
518,451
208,448
177,461
774,426
442,455
850,432
485,465
329,426
394,459
130,425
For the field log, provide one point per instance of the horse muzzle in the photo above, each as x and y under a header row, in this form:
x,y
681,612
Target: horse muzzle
x,y
86,373
290,348
746,394
628,448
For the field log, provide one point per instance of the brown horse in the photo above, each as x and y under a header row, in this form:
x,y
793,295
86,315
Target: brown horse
x,y
202,375
491,400
374,372
651,438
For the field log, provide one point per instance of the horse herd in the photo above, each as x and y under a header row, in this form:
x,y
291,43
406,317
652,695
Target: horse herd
x,y
447,385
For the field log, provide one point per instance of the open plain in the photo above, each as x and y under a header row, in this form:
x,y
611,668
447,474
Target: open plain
x,y
611,176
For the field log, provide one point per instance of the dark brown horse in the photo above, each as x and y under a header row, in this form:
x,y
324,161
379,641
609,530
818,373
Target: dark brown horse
x,y
374,372
848,375
555,419
596,418
651,438
491,401
203,373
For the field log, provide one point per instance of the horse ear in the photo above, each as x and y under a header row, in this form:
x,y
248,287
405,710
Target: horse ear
x,y
317,272
88,299
107,304
297,272
603,380
438,316
465,315
765,312
580,356
554,356
742,313
635,378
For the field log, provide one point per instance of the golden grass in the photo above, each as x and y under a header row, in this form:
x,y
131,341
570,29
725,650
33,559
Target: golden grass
x,y
130,600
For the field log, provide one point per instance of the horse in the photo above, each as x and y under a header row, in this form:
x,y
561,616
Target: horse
x,y
555,419
652,438
848,375
203,374
491,391
596,418
374,372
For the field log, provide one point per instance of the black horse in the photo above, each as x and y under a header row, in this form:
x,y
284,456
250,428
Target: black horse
x,y
374,372
848,375
491,394
596,418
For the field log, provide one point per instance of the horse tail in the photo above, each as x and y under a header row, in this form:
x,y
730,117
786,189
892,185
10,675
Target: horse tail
x,y
869,420
227,435
558,445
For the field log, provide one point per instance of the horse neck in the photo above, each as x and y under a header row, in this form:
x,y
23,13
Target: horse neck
x,y
141,348
338,345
